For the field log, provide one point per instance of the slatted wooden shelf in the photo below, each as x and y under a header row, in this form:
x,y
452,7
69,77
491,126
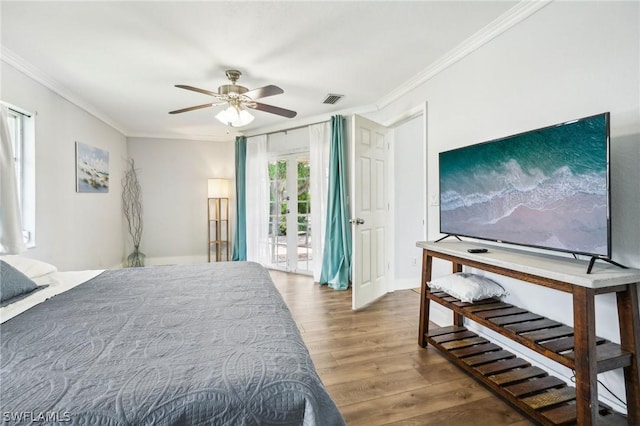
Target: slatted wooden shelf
x,y
578,348
545,398
547,337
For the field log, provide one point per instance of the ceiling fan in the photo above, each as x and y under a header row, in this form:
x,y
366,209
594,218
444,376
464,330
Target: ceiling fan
x,y
238,98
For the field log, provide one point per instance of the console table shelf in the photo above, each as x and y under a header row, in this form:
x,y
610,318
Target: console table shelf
x,y
549,338
546,399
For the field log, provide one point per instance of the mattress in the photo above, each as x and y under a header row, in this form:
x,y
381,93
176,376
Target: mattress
x,y
166,345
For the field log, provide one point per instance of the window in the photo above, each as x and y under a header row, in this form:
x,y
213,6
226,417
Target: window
x,y
15,131
21,131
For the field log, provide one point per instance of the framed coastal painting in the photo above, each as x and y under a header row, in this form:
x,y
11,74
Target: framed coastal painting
x,y
92,169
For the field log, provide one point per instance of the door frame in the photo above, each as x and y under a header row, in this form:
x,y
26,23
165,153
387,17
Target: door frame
x,y
292,205
419,111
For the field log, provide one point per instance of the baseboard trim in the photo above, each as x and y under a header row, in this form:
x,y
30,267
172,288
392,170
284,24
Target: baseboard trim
x,y
404,284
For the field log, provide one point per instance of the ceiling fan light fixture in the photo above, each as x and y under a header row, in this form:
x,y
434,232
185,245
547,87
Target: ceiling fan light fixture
x,y
237,98
234,116
244,118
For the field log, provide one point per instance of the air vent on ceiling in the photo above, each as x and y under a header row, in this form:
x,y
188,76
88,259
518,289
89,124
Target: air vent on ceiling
x,y
332,98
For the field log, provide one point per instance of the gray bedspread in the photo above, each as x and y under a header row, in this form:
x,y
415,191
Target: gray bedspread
x,y
206,344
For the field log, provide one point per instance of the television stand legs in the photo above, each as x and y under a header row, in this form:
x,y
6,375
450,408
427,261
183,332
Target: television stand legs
x,y
593,261
447,236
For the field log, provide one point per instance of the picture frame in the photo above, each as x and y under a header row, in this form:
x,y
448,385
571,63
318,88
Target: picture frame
x,y
92,169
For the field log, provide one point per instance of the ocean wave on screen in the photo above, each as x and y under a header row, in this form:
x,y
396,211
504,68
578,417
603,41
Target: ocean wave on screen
x,y
499,192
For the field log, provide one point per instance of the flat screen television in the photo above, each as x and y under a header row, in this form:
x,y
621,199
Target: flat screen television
x,y
546,188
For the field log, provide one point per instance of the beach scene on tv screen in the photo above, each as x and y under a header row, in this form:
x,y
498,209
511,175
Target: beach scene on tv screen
x,y
545,188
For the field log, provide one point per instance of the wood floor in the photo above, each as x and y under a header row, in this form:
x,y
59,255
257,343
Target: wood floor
x,y
373,368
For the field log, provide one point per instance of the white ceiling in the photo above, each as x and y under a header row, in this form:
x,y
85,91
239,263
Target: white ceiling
x,y
120,60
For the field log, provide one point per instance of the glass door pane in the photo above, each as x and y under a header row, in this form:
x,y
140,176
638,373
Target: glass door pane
x,y
290,214
278,213
303,241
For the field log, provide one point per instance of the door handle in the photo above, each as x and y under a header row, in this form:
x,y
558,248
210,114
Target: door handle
x,y
357,221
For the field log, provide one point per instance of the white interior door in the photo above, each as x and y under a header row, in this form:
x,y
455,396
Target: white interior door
x,y
369,209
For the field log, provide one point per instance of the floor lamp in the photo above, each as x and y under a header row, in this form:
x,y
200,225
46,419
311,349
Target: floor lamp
x,y
218,219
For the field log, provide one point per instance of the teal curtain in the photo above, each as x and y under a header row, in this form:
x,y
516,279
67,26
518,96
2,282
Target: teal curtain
x,y
336,261
240,238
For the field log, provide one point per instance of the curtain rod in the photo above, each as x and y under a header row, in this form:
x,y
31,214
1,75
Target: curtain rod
x,y
15,109
289,129
19,112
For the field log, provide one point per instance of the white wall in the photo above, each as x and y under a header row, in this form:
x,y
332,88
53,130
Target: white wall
x,y
568,60
173,175
296,140
73,231
409,193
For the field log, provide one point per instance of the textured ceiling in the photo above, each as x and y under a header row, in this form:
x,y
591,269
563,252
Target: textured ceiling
x,y
122,59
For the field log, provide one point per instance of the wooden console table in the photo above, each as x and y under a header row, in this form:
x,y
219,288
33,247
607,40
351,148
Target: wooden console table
x,y
546,399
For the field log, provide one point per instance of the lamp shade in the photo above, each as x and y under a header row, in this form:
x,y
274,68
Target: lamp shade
x,y
218,188
234,116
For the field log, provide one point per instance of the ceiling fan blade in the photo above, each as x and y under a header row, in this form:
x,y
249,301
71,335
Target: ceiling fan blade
x,y
195,89
263,92
272,109
178,111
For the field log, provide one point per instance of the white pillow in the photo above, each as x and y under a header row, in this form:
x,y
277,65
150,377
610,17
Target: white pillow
x,y
468,287
30,267
48,279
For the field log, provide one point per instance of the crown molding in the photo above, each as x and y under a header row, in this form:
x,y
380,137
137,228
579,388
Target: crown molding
x,y
10,58
513,16
181,137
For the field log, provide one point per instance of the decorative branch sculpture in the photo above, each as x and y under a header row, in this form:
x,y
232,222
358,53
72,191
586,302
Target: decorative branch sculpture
x,y
132,208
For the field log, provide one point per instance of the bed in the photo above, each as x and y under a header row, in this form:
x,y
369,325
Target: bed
x,y
166,345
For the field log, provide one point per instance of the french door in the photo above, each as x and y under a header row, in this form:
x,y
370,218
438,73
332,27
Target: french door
x,y
290,214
